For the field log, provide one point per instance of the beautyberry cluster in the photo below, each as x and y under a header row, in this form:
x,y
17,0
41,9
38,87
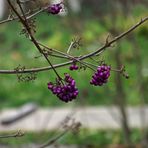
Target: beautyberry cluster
x,y
55,8
101,75
65,92
74,67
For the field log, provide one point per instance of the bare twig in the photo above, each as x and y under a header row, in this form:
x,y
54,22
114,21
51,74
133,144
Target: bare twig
x,y
9,19
32,38
73,127
67,56
71,44
17,134
53,140
98,51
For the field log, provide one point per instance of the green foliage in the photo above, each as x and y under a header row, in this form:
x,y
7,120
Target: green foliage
x,y
96,138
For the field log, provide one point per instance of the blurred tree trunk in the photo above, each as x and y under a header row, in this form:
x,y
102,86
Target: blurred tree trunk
x,y
121,100
120,97
97,7
3,9
101,7
141,89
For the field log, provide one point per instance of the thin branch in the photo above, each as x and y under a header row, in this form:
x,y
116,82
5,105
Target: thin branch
x,y
54,50
21,8
53,140
98,51
9,19
74,127
71,44
109,43
35,69
32,38
57,56
18,134
67,56
25,1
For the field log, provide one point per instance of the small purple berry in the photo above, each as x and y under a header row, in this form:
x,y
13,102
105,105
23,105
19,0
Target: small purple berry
x,y
71,67
66,92
55,8
101,75
74,66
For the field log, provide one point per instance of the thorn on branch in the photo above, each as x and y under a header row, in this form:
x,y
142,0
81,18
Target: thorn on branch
x,y
107,39
107,42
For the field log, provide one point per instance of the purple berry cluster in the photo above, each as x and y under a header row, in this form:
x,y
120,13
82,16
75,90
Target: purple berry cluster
x,y
74,67
55,8
65,92
101,75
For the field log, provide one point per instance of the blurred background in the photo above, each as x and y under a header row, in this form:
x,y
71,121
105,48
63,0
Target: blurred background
x,y
92,20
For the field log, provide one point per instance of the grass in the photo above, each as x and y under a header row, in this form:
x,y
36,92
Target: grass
x,y
96,138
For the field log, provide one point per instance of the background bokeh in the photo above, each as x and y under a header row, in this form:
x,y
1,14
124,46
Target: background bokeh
x,y
93,20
